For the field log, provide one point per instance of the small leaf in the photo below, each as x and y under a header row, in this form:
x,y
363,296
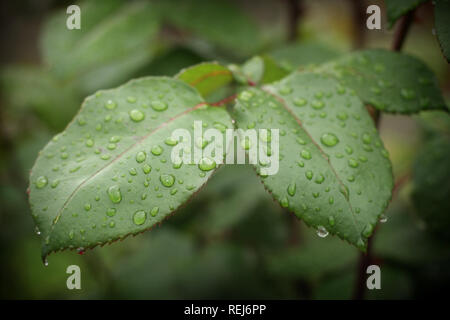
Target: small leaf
x,y
110,174
389,81
206,77
442,18
398,8
258,70
329,151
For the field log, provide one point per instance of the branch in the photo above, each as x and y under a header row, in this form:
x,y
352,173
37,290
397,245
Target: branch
x,y
367,259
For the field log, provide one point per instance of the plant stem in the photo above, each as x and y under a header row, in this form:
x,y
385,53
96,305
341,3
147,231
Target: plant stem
x,y
359,27
368,258
295,10
402,31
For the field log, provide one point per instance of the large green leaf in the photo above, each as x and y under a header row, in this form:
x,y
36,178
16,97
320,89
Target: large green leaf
x,y
390,81
397,8
116,38
334,172
442,18
110,174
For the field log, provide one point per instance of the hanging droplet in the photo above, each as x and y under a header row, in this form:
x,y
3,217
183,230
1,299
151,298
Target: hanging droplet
x,y
322,232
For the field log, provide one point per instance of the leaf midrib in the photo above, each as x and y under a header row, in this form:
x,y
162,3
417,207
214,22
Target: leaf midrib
x,y
299,122
119,156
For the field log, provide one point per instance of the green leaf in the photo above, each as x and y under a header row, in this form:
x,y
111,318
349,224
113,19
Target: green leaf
x,y
442,18
389,81
432,185
206,77
398,8
329,151
298,55
110,174
116,38
258,70
44,95
221,23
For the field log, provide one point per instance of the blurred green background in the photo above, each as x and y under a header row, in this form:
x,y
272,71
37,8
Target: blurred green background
x,y
231,240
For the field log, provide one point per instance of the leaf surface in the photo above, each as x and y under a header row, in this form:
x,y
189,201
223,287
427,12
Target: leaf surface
x,y
334,172
206,77
110,174
398,8
442,18
389,81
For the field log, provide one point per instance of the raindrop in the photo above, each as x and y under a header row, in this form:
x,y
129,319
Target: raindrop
x,y
167,180
383,218
305,154
141,156
329,139
154,211
139,217
110,105
353,163
111,212
322,232
206,164
300,102
41,182
114,194
158,105
291,189
146,168
136,115
157,150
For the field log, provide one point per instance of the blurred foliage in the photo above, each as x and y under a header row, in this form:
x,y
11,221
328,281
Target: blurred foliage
x,y
232,240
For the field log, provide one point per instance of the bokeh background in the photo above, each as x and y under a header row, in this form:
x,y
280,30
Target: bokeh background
x,y
231,240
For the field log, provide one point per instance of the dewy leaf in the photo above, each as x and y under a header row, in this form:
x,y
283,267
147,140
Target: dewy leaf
x,y
334,172
110,174
115,39
432,185
206,77
397,8
389,81
442,18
